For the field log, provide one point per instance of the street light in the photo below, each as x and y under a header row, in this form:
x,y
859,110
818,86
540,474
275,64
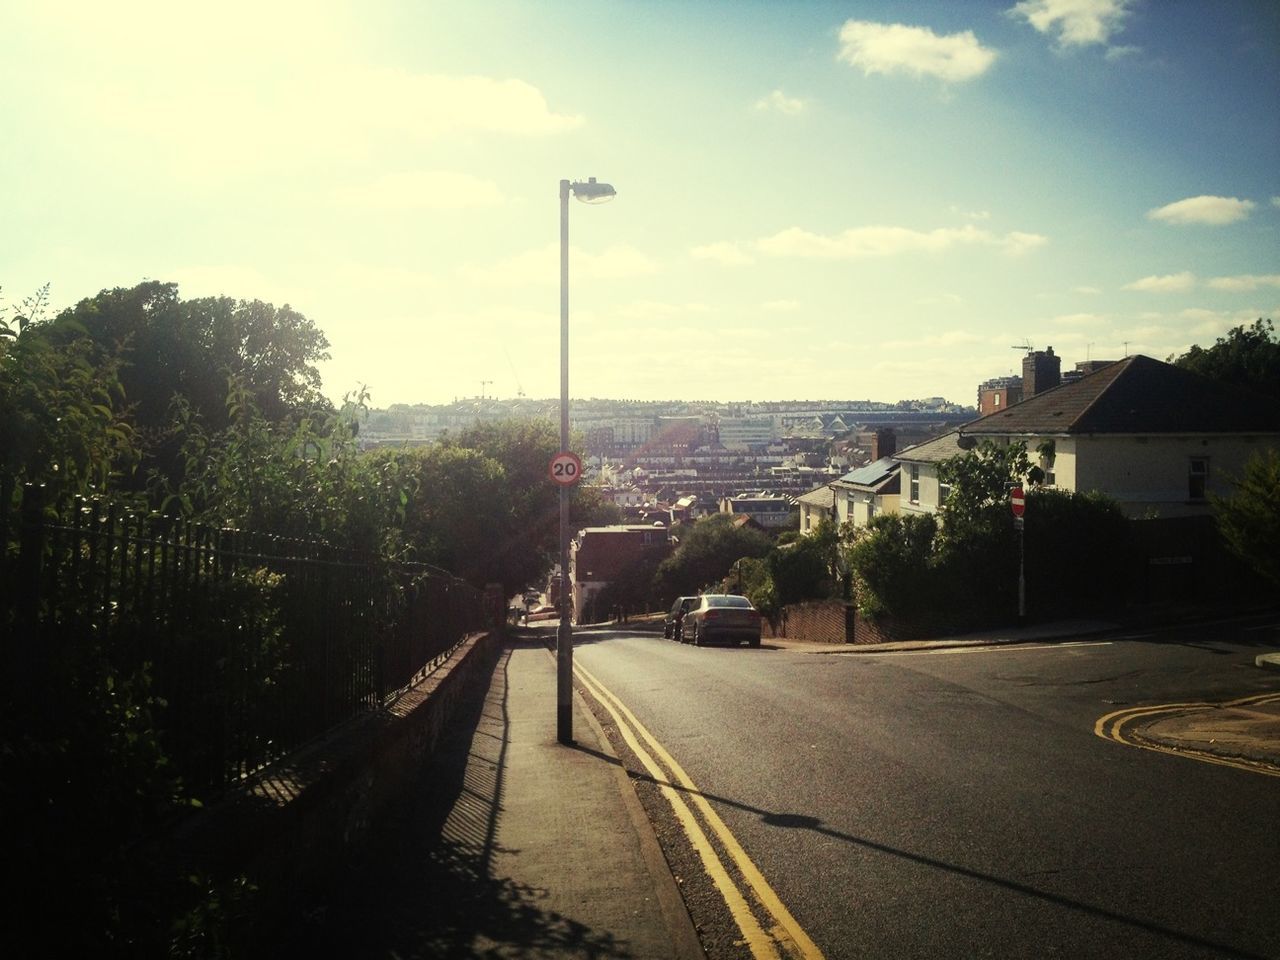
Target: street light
x,y
588,192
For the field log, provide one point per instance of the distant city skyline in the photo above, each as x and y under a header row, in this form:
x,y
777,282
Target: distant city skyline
x,y
867,198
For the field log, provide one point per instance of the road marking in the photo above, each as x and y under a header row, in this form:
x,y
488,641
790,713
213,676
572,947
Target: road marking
x,y
985,648
1111,726
785,933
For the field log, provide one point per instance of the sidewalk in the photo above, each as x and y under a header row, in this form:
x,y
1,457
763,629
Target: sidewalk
x,y
571,830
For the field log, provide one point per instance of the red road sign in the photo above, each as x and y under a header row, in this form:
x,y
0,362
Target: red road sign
x,y
1017,501
565,469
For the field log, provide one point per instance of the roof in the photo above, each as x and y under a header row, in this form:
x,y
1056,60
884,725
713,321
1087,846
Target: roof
x,y
932,451
822,496
1137,395
872,473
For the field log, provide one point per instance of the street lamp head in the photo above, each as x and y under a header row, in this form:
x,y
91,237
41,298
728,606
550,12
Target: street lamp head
x,y
593,192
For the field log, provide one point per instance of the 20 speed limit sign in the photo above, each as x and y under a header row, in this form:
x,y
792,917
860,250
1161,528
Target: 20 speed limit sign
x,y
566,468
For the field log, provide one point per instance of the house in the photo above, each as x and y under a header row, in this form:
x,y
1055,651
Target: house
x,y
920,490
1156,438
771,510
599,556
867,491
815,506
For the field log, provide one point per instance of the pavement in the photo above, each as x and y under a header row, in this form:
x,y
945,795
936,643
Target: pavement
x,y
568,839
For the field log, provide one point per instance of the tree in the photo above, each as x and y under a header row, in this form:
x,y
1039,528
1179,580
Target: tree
x,y
707,549
1249,519
1247,357
891,560
190,348
60,419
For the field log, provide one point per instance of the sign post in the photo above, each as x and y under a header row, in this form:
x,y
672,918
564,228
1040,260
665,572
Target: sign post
x,y
1018,501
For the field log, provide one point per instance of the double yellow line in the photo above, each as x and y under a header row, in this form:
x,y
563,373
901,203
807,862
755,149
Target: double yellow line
x,y
769,930
1114,726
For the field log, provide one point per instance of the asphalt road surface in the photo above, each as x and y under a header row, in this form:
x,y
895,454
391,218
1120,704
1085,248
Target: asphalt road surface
x,y
958,803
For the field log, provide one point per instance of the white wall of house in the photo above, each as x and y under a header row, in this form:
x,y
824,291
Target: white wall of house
x,y
929,495
1152,475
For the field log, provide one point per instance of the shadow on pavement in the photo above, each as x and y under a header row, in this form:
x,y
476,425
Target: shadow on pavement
x,y
426,888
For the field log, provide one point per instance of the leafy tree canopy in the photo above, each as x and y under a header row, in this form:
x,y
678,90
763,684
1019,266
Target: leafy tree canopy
x,y
189,348
1249,518
1246,356
707,549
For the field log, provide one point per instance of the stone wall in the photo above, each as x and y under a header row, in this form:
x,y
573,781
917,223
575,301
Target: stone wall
x,y
290,828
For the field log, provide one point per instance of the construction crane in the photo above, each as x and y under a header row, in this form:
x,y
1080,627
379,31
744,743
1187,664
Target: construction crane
x,y
483,384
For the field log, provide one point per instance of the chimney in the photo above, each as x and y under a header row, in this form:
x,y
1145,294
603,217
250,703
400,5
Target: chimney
x,y
1041,371
884,443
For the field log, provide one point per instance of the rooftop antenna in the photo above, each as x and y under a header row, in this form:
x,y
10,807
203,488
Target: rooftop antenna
x,y
1126,348
1026,345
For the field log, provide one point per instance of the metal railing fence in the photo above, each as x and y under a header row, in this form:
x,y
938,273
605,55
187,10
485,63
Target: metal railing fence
x,y
255,644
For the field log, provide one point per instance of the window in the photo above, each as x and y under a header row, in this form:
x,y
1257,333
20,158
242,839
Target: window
x,y
915,483
944,491
995,399
1197,477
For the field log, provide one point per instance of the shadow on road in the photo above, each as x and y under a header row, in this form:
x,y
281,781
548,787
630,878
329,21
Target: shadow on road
x,y
427,887
797,821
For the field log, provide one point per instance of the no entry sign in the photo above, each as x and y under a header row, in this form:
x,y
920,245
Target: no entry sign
x,y
1017,501
565,468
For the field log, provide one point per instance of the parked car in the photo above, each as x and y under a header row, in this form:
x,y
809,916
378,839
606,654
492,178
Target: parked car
x,y
671,624
721,616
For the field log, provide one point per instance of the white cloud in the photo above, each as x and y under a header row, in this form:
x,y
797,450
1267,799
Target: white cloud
x,y
888,241
970,214
1211,211
1170,283
780,306
1075,23
422,190
779,101
1080,320
1245,283
897,48
541,266
723,251
1017,243
1275,201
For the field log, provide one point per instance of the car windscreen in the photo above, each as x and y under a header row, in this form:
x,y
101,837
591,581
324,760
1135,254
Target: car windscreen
x,y
728,602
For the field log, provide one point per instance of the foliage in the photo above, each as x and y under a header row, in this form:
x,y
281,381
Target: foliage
x,y
1249,519
707,549
981,477
191,347
1246,357
527,544
808,568
1075,553
303,480
59,409
890,563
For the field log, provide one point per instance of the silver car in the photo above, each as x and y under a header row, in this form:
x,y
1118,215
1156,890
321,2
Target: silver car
x,y
721,617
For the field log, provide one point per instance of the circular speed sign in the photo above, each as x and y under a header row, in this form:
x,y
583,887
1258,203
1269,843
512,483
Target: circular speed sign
x,y
565,468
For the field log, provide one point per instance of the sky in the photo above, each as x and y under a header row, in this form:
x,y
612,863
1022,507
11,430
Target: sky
x,y
815,200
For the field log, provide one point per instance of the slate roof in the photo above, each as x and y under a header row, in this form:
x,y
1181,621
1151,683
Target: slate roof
x,y
1137,395
823,497
931,451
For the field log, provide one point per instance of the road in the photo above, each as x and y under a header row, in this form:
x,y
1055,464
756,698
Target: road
x,y
955,803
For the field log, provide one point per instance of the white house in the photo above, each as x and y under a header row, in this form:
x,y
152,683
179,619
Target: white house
x,y
1155,437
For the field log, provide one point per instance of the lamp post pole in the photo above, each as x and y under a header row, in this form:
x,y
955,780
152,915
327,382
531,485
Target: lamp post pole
x,y
588,191
564,634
